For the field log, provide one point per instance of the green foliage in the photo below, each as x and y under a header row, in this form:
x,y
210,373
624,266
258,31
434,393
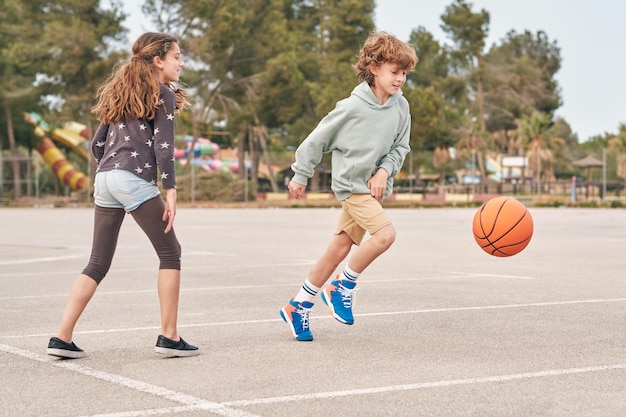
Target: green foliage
x,y
214,186
468,31
279,66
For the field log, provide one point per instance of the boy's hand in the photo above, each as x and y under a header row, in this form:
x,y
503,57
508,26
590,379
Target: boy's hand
x,y
296,190
378,183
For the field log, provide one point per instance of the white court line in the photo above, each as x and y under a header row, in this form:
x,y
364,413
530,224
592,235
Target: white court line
x,y
164,393
261,286
46,259
378,314
191,403
422,385
480,274
152,268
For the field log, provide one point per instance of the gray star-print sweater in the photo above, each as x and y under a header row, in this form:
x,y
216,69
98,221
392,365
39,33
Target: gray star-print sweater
x,y
140,145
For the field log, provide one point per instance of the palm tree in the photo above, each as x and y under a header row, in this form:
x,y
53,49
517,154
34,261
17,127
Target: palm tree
x,y
534,130
617,144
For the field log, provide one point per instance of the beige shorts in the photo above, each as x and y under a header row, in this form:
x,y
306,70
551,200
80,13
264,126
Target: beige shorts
x,y
361,213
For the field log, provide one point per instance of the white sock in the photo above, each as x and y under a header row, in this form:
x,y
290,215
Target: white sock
x,y
307,292
349,274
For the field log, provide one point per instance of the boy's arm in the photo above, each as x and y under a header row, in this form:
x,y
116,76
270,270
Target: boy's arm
x,y
310,152
392,162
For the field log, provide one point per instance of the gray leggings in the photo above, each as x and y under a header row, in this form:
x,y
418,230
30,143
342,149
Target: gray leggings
x,y
107,224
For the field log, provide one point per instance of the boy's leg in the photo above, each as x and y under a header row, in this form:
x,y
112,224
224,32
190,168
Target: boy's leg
x,y
336,251
372,248
362,213
296,312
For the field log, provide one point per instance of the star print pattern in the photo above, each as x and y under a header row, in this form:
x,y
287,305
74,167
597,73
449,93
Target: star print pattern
x,y
140,145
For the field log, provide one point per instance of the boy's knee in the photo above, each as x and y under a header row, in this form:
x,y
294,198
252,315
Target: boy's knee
x,y
386,236
340,248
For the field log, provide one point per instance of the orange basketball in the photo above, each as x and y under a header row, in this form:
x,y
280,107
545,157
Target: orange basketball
x,y
502,226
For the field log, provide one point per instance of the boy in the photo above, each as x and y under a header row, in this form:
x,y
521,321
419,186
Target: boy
x,y
368,136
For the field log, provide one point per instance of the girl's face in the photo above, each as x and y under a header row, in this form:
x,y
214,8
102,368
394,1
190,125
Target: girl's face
x,y
169,67
388,80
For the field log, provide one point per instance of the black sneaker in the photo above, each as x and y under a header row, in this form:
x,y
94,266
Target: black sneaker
x,y
62,349
172,349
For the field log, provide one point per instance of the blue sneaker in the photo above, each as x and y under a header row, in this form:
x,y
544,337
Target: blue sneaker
x,y
296,315
338,297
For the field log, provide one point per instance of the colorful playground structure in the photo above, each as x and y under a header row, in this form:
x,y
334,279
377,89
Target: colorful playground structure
x,y
72,135
209,156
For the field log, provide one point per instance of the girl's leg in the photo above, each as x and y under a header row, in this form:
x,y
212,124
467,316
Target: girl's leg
x,y
149,217
107,224
169,289
81,293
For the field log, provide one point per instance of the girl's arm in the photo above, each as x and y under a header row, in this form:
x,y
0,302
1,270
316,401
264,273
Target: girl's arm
x,y
164,138
98,143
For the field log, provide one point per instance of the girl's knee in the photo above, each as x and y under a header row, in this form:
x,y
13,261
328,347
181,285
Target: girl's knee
x,y
170,257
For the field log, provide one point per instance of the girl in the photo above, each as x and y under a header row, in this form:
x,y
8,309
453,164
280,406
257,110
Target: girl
x,y
135,107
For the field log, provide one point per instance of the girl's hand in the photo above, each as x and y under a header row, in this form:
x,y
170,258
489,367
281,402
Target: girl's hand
x,y
170,208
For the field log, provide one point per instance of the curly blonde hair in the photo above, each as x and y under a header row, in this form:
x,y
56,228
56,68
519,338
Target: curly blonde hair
x,y
132,89
380,48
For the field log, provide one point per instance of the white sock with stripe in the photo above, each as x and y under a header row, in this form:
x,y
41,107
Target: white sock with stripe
x,y
307,292
349,274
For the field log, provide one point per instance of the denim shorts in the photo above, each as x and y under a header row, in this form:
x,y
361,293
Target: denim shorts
x,y
122,189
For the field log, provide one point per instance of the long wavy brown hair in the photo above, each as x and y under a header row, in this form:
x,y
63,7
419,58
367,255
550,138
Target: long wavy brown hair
x,y
380,48
132,89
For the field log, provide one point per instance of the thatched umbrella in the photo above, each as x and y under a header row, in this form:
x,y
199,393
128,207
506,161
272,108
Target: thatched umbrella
x,y
588,162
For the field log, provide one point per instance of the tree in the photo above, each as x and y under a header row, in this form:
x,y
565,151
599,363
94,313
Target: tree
x,y
617,144
52,50
438,100
468,31
536,131
267,91
20,29
519,80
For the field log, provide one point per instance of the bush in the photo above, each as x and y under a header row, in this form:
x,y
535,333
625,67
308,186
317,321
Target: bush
x,y
215,186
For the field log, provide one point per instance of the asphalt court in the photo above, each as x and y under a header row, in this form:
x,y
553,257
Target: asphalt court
x,y
442,329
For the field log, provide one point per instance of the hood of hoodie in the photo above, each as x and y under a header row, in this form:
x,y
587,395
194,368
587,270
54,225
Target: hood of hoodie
x,y
365,93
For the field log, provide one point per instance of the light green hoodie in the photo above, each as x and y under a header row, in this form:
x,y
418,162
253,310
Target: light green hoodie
x,y
363,135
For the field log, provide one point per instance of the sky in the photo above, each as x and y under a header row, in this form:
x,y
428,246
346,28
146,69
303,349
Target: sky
x,y
589,33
